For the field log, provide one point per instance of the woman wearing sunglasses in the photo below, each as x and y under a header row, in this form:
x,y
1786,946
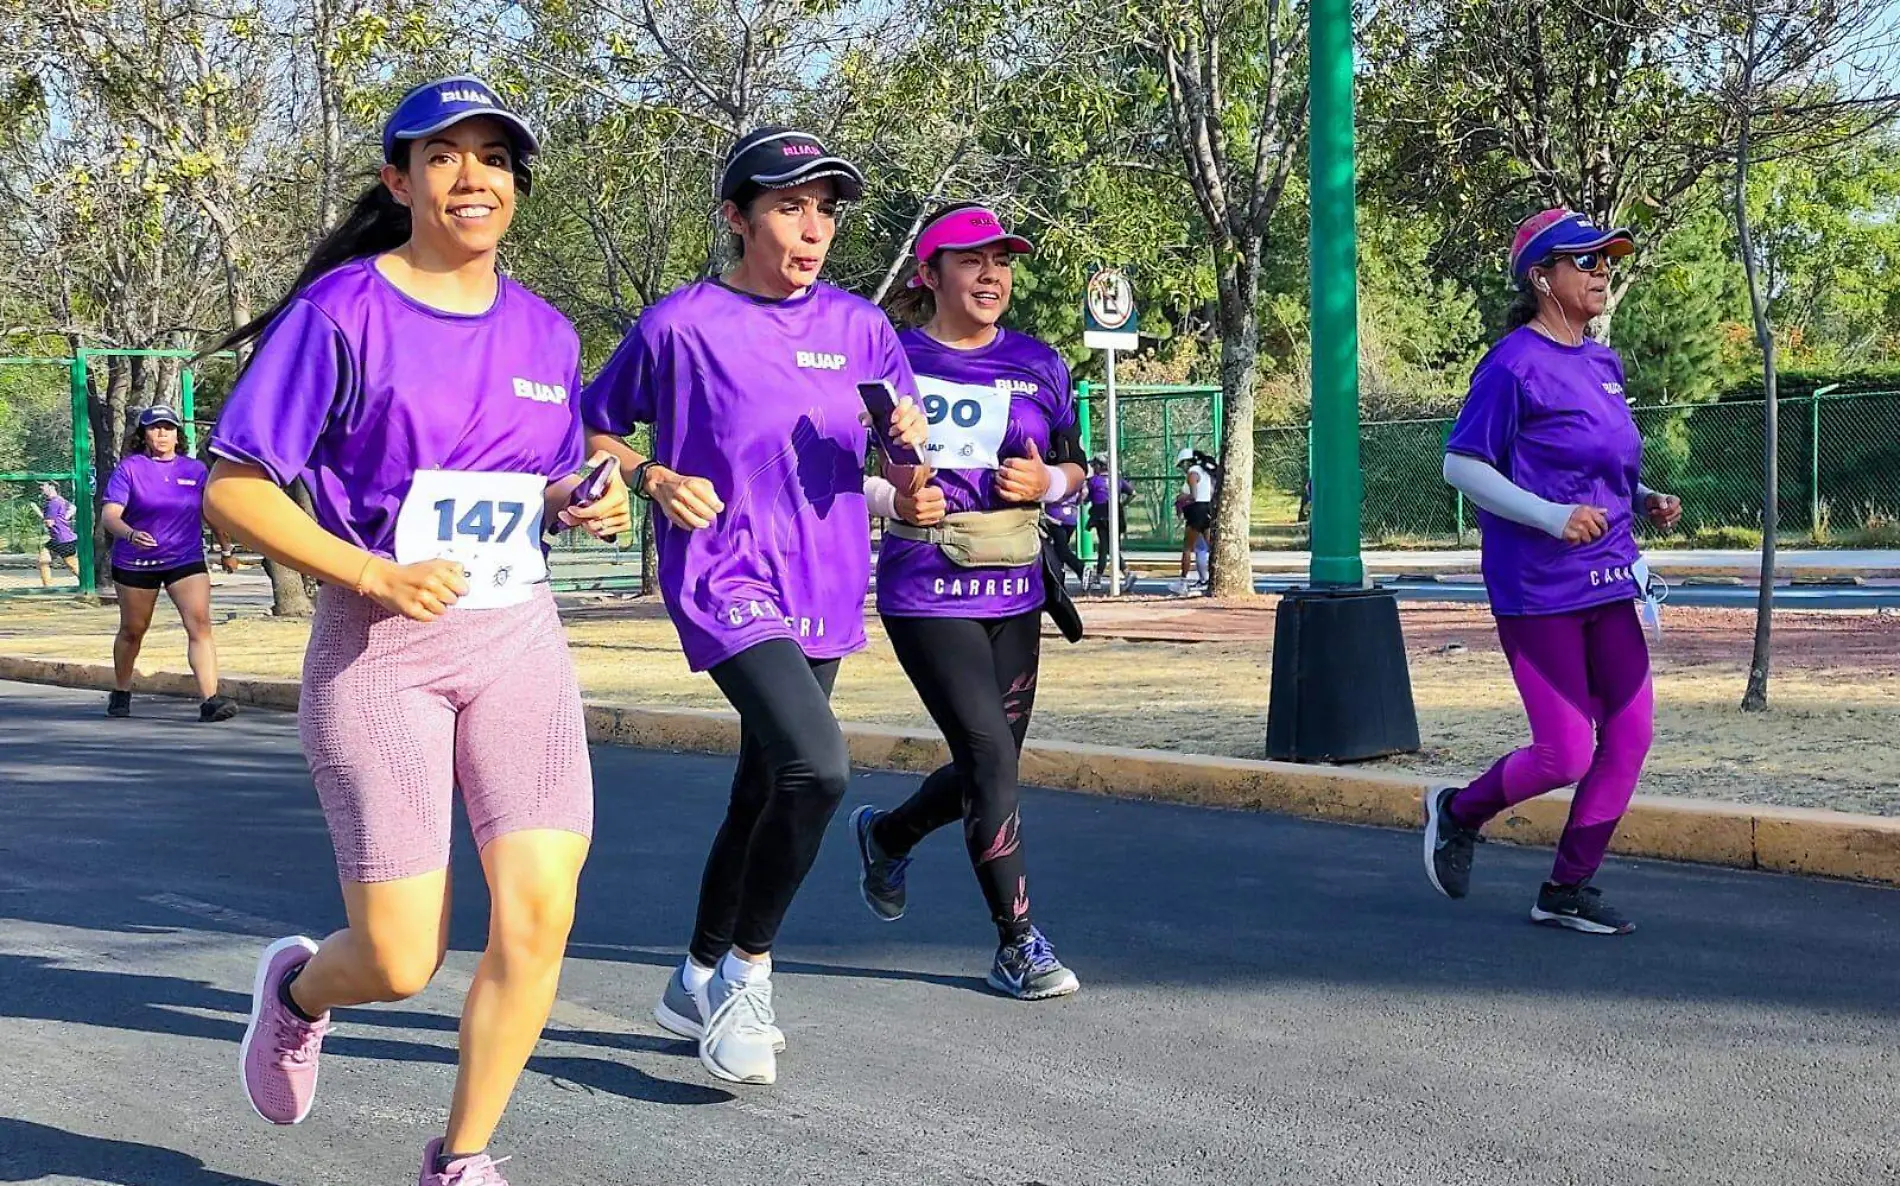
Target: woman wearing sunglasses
x,y
1547,449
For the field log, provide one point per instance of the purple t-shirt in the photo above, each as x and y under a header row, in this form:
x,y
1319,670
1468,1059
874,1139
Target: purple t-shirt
x,y
760,398
1068,510
985,405
164,499
357,386
1551,418
59,521
1098,489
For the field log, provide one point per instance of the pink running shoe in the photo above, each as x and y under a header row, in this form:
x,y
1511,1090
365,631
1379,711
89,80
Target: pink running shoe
x,y
478,1170
278,1061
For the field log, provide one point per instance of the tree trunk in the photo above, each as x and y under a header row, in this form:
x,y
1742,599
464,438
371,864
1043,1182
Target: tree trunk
x,y
290,590
1231,574
1755,698
649,555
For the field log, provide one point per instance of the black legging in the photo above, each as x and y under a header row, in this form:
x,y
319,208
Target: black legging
x,y
977,678
1098,523
793,770
1062,537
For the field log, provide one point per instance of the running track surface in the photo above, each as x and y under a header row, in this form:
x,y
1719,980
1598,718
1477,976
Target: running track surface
x,y
1264,1000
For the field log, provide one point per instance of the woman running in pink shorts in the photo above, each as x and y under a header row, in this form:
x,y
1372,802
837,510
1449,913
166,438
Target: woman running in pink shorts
x,y
429,405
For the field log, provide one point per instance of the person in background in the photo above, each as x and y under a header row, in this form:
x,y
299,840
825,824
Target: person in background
x,y
1098,495
61,540
1060,519
1196,506
154,511
1548,451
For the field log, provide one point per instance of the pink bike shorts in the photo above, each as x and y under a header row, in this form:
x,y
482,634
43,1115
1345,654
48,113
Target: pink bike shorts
x,y
396,714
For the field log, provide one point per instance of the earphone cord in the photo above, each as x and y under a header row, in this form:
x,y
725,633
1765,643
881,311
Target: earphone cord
x,y
1545,326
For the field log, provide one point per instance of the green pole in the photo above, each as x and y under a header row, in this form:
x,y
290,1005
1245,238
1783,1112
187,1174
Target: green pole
x,y
1337,489
82,478
1084,545
1814,460
187,407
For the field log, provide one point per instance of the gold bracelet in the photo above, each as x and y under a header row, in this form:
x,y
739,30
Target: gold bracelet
x,y
369,560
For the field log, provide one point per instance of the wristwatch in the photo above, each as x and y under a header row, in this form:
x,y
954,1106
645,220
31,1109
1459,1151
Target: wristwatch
x,y
637,481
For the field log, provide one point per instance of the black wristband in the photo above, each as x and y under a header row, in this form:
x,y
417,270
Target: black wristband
x,y
637,482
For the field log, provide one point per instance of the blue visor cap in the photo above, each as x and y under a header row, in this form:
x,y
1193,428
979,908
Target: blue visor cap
x,y
1572,234
159,414
446,102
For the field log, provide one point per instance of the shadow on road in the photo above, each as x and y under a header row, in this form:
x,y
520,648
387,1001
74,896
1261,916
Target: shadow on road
x,y
36,1151
40,989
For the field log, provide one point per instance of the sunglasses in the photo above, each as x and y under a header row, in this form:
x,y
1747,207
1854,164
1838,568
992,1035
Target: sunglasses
x,y
1586,261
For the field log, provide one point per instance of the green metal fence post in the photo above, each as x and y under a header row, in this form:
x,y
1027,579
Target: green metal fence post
x,y
1814,460
187,408
1085,545
82,479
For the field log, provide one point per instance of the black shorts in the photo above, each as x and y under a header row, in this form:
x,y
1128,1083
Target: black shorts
x,y
158,578
1200,516
65,551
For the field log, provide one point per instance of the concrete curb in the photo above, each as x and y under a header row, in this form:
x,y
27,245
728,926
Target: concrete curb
x,y
1780,839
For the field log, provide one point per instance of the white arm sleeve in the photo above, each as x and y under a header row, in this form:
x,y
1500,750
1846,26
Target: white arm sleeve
x,y
1496,493
881,497
1642,498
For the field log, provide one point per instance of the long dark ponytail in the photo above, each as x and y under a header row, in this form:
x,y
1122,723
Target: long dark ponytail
x,y
1523,308
376,223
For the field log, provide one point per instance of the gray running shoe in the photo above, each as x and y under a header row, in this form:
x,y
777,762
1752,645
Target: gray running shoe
x,y
683,1012
1029,970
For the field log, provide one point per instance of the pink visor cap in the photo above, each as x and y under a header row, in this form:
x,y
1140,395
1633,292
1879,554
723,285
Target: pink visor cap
x,y
965,229
1558,231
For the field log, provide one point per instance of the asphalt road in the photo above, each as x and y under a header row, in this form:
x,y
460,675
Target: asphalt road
x,y
1265,1000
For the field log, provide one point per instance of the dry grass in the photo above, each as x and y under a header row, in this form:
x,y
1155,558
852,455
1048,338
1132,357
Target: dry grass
x,y
1827,742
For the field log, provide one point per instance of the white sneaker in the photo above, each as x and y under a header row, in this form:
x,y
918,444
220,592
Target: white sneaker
x,y
737,1046
1180,588
683,1011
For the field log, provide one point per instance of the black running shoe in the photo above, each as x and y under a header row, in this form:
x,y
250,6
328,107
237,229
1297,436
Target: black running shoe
x,y
882,879
1449,845
218,708
1579,907
119,704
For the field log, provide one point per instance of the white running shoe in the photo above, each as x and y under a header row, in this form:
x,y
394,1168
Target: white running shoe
x,y
738,1042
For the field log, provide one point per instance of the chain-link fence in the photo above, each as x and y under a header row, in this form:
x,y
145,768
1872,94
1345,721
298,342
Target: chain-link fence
x,y
1154,422
37,465
1839,468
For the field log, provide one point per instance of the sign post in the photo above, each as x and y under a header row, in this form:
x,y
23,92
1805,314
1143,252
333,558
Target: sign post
x,y
1109,324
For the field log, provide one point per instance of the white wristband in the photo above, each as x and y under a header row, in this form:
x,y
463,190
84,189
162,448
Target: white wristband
x,y
881,497
1058,484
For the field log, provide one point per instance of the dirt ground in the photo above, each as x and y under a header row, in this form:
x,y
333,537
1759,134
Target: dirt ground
x,y
1193,677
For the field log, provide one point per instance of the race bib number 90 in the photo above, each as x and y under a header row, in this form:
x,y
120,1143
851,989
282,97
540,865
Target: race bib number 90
x,y
489,523
967,423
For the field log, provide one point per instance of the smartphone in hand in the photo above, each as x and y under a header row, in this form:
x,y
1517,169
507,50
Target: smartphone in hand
x,y
881,401
594,486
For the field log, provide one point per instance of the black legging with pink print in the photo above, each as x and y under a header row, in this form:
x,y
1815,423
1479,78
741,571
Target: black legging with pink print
x,y
977,679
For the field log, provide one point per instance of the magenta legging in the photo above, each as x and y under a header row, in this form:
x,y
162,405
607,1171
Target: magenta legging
x,y
1584,679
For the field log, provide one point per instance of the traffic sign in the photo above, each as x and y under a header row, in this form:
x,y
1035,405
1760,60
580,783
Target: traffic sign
x,y
1109,318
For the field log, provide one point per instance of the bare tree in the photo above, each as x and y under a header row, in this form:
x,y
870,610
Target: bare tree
x,y
1793,78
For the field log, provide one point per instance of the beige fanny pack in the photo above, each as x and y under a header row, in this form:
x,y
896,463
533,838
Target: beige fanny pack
x,y
981,539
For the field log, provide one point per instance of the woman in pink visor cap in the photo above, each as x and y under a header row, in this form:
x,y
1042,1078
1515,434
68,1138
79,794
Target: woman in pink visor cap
x,y
1547,449
960,578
